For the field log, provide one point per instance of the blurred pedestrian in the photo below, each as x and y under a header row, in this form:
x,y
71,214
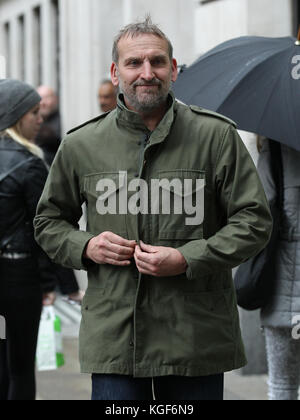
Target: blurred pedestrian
x,y
107,96
48,139
49,136
160,310
283,348
26,276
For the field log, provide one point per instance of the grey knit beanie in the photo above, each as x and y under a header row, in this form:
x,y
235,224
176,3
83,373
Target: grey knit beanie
x,y
16,99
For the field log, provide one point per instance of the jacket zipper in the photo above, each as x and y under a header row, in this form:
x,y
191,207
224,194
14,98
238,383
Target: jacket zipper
x,y
142,164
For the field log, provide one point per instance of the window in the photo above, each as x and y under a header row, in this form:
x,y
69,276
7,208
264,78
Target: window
x,y
21,47
56,42
37,44
7,41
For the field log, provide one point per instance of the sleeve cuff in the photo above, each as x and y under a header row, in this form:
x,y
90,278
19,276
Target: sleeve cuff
x,y
79,241
192,252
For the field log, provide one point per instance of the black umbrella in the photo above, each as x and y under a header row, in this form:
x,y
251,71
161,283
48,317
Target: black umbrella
x,y
253,80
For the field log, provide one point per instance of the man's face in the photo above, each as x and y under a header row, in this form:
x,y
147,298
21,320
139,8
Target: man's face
x,y
144,72
107,97
49,103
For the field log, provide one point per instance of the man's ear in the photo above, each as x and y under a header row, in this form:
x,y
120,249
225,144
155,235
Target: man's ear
x,y
114,74
174,70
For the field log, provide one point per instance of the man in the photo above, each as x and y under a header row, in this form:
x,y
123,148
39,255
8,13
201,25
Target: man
x,y
174,202
49,136
107,96
49,108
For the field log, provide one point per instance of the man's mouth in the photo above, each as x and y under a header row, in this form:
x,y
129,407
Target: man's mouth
x,y
147,86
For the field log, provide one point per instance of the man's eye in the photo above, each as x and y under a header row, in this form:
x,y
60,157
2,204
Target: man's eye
x,y
158,62
134,63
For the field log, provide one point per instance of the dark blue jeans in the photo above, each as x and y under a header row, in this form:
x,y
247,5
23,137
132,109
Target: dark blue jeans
x,y
176,388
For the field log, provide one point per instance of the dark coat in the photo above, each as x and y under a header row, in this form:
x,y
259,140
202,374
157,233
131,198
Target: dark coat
x,y
19,195
284,303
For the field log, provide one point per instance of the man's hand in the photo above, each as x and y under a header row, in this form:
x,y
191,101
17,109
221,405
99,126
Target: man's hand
x,y
159,261
109,248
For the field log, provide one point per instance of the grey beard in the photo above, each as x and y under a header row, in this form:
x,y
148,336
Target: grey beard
x,y
151,104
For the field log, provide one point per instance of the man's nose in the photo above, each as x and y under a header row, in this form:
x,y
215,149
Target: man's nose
x,y
147,71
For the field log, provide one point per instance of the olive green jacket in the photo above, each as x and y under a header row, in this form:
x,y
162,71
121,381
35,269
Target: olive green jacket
x,y
145,326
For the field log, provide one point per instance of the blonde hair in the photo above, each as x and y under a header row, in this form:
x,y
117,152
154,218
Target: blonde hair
x,y
15,134
259,143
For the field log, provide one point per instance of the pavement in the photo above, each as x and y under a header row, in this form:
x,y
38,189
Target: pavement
x,y
67,384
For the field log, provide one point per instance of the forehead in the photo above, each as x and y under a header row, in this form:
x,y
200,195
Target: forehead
x,y
142,45
45,92
106,88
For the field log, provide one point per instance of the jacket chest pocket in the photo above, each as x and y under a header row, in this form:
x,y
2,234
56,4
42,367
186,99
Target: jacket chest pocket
x,y
104,197
181,204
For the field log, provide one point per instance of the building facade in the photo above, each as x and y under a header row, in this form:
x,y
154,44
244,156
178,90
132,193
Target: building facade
x,y
66,44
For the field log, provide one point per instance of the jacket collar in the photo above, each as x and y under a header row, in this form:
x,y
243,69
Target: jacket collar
x,y
8,144
134,120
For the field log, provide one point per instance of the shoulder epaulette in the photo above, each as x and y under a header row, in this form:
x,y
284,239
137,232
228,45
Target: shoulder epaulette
x,y
100,117
199,110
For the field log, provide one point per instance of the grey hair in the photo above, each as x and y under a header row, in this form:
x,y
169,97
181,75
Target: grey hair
x,y
136,29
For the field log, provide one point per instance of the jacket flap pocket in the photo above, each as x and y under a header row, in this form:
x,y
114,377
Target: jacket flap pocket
x,y
107,183
181,212
182,183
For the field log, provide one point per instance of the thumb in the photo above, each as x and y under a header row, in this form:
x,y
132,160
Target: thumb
x,y
147,248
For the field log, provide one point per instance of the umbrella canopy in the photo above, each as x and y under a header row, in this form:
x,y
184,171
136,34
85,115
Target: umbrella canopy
x,y
253,80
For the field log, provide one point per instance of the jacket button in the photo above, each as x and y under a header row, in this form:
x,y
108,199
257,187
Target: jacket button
x,y
136,175
86,308
131,343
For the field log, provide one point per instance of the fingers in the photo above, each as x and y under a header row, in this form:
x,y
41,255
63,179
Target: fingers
x,y
148,248
112,249
121,250
111,261
146,253
49,298
144,268
118,251
118,240
146,262
115,256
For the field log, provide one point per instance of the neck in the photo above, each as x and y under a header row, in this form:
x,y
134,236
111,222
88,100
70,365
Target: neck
x,y
153,118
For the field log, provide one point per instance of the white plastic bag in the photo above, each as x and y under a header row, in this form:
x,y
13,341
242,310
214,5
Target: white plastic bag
x,y
49,355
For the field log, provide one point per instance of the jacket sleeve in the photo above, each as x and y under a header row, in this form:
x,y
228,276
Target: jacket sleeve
x,y
243,202
265,172
34,181
59,211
